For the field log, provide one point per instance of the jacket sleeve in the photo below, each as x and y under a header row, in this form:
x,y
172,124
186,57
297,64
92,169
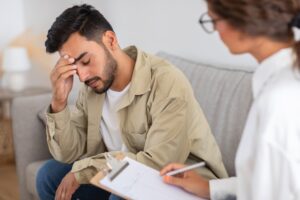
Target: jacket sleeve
x,y
66,132
223,189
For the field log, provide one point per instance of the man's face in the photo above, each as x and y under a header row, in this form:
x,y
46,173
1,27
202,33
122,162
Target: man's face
x,y
95,65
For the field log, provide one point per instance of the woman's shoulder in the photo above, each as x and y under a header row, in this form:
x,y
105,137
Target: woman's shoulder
x,y
282,93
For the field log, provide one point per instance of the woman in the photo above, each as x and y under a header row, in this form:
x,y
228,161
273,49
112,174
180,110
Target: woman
x,y
268,157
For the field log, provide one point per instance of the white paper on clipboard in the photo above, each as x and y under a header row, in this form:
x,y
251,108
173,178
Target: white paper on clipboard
x,y
139,181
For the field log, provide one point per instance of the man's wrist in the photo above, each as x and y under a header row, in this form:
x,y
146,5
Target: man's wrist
x,y
55,108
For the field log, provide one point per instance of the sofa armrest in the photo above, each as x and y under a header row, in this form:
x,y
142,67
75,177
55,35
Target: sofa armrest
x,y
28,134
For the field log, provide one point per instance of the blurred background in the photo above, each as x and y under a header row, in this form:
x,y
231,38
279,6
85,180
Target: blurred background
x,y
157,25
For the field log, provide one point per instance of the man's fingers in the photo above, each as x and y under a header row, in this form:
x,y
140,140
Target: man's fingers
x,y
65,63
64,60
66,188
66,75
61,81
71,60
69,192
69,195
63,69
58,193
62,194
171,167
61,191
57,73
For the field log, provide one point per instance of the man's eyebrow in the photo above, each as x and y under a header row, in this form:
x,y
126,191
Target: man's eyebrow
x,y
79,57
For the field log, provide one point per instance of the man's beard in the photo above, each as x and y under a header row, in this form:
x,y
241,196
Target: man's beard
x,y
109,71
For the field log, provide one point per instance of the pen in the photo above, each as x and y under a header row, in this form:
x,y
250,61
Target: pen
x,y
184,169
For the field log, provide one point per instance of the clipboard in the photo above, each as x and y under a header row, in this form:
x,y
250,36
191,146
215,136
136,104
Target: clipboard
x,y
96,182
115,166
140,182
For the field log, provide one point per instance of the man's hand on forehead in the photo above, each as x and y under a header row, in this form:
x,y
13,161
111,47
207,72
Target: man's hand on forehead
x,y
72,61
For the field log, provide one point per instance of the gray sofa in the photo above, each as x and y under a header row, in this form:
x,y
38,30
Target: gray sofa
x,y
223,93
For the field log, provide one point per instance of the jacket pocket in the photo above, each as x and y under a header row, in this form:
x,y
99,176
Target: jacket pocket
x,y
137,140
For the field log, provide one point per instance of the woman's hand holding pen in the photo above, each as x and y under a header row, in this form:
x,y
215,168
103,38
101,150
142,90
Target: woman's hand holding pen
x,y
62,82
188,180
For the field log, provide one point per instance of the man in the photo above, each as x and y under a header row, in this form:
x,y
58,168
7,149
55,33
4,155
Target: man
x,y
132,102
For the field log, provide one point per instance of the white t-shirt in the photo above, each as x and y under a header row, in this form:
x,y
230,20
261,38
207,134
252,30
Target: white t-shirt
x,y
268,157
110,124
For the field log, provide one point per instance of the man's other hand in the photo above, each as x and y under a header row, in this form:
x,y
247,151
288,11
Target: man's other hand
x,y
67,187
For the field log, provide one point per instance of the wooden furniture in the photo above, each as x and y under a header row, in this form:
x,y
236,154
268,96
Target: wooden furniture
x,y
7,95
6,141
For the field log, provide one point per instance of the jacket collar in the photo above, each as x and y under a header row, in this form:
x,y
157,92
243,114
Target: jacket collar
x,y
141,78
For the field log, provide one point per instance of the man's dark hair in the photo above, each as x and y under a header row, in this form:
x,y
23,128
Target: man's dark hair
x,y
84,19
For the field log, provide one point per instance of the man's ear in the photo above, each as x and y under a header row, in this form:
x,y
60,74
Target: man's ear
x,y
110,40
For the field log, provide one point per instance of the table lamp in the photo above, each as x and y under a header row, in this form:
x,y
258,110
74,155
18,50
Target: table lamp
x,y
15,63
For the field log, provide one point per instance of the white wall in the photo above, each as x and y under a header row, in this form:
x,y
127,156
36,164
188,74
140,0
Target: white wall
x,y
156,25
12,21
40,14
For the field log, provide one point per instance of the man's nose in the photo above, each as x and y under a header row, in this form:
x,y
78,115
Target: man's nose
x,y
82,74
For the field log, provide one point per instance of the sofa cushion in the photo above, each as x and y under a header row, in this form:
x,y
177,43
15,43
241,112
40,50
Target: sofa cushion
x,y
31,173
225,97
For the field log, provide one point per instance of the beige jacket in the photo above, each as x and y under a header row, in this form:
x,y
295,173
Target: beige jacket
x,y
160,120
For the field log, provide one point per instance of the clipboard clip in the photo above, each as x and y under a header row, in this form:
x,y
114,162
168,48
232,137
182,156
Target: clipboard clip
x,y
116,166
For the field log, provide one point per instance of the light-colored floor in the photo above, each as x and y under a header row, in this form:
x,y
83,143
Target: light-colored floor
x,y
8,177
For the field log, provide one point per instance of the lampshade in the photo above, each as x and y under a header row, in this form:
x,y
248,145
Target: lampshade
x,y
15,59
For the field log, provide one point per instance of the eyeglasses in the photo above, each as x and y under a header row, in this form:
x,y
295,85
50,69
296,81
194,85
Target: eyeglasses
x,y
208,23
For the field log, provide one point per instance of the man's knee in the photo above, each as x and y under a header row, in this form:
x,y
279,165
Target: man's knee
x,y
52,171
49,177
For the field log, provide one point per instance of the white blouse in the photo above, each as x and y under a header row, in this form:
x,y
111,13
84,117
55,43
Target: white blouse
x,y
268,157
